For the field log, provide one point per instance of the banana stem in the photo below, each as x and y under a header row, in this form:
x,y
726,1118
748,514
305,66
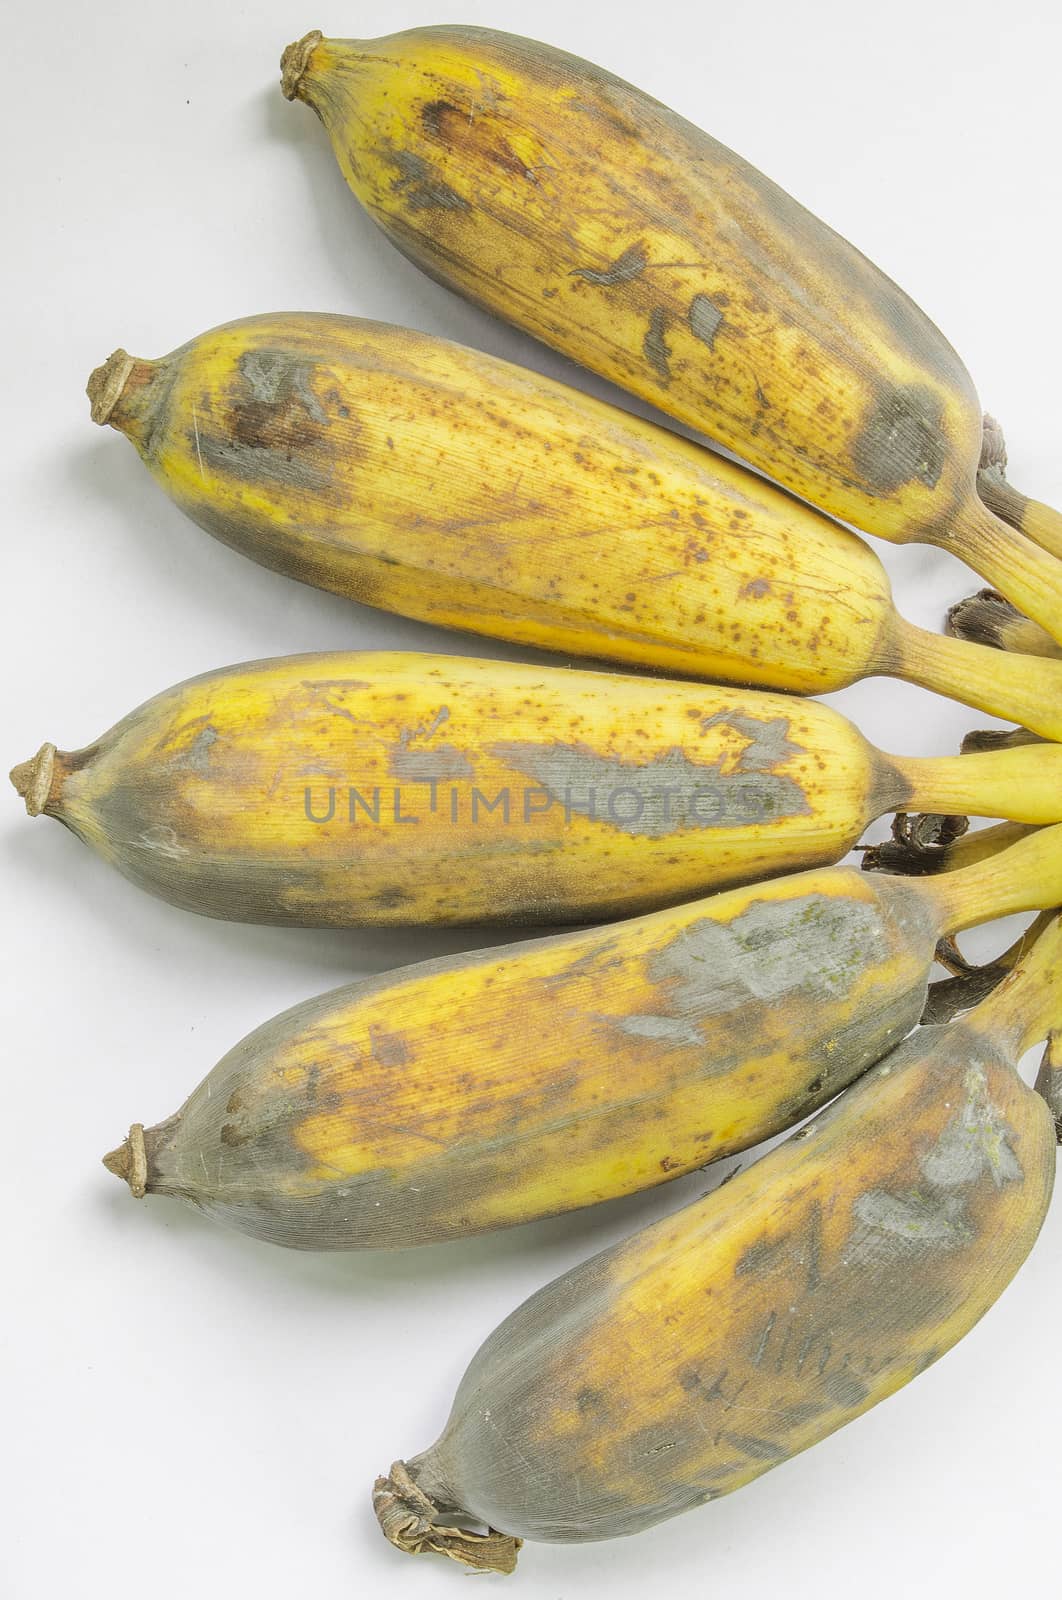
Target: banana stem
x,y
970,985
1027,1005
997,739
1017,688
986,618
1023,784
1049,1079
1039,522
1029,576
1025,877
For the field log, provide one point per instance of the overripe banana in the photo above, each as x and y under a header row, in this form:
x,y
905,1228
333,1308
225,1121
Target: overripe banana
x,y
492,1088
574,205
706,1349
331,790
431,480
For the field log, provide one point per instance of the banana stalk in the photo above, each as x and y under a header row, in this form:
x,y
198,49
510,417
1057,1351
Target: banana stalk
x,y
431,480
702,1351
1041,523
572,204
506,1085
333,790
987,619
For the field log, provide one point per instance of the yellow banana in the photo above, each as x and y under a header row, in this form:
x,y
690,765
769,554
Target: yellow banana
x,y
492,1088
432,480
699,1353
572,204
330,790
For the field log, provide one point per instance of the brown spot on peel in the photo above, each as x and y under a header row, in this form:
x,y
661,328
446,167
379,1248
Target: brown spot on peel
x,y
654,346
705,319
631,264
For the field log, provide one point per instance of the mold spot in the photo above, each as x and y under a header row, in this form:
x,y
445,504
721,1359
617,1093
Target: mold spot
x,y
655,347
705,319
197,756
414,759
421,186
905,1225
631,264
975,1142
669,794
814,945
902,440
276,422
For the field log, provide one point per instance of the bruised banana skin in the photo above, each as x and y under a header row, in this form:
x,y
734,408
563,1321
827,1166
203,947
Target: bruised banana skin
x,y
377,787
428,479
412,1109
577,207
699,1353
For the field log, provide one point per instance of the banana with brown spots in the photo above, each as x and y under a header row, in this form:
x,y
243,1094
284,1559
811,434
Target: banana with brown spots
x,y
332,790
493,1088
432,480
584,211
712,1346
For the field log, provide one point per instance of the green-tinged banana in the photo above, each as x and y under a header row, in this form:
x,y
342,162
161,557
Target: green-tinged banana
x,y
1042,524
706,1349
440,483
331,790
497,1087
986,618
579,208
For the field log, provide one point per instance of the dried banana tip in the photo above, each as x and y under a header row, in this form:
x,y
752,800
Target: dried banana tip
x,y
105,385
294,61
33,779
411,1521
129,1161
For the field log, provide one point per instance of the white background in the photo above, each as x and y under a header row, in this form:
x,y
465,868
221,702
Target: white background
x,y
188,1412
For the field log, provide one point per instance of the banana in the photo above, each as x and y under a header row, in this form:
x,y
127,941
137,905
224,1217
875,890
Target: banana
x,y
494,1088
702,1351
986,618
431,480
331,790
575,206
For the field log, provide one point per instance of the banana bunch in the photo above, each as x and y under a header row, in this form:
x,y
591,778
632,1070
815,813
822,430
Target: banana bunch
x,y
692,1357
409,1110
412,474
583,211
490,1089
343,789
